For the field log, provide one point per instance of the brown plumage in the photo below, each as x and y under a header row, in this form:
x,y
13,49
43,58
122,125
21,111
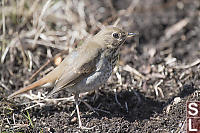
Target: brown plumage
x,y
82,61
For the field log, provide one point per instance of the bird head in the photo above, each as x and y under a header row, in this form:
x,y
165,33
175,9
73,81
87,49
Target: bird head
x,y
112,37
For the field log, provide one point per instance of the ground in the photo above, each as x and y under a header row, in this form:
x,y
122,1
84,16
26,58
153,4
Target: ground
x,y
157,73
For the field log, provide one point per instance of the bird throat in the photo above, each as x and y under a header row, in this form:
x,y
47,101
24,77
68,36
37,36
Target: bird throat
x,y
112,55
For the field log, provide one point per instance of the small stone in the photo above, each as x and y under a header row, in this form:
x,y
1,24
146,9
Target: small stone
x,y
7,126
73,120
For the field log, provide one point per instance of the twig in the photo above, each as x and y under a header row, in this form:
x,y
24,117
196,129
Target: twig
x,y
176,27
47,62
3,19
4,86
41,25
4,54
188,66
30,60
29,107
4,32
48,44
126,105
19,126
14,118
134,71
22,51
156,88
102,110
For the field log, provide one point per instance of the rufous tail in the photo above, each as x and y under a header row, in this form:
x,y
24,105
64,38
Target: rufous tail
x,y
29,87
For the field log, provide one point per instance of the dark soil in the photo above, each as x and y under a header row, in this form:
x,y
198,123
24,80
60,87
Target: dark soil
x,y
161,58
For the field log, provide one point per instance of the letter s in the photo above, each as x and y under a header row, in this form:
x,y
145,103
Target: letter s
x,y
193,107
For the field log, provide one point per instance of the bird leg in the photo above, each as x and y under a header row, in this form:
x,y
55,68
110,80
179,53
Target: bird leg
x,y
78,114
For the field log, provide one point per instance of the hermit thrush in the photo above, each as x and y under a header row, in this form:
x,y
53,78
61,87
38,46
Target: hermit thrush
x,y
87,67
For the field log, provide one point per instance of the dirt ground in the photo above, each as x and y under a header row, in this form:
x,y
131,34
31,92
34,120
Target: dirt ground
x,y
157,73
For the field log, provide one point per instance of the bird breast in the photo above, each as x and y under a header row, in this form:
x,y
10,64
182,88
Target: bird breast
x,y
95,79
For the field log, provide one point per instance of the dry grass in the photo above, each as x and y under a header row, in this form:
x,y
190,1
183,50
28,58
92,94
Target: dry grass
x,y
56,25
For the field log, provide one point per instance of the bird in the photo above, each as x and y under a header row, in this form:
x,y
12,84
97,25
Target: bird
x,y
87,67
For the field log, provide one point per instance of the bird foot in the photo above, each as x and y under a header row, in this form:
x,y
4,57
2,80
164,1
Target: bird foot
x,y
90,107
85,128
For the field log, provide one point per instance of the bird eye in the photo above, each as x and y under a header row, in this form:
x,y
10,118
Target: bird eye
x,y
115,35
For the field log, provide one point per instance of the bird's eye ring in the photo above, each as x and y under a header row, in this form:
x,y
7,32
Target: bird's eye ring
x,y
115,35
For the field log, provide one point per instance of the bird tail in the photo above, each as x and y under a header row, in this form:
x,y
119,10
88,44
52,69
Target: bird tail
x,y
29,87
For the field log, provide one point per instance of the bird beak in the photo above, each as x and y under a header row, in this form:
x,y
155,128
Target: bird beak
x,y
132,34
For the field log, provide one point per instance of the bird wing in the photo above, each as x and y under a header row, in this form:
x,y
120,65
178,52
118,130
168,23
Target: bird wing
x,y
83,65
